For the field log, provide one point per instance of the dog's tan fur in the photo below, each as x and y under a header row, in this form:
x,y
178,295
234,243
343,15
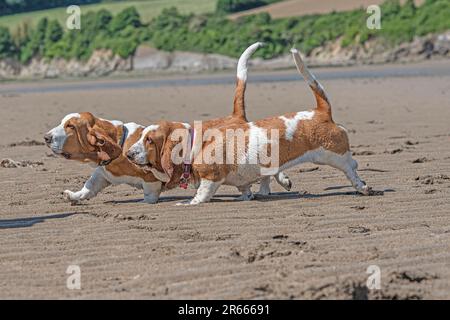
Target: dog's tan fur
x,y
238,117
82,142
318,134
91,139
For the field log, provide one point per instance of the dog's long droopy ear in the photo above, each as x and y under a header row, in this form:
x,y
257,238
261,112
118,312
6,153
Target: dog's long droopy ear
x,y
108,145
91,138
98,138
166,151
83,135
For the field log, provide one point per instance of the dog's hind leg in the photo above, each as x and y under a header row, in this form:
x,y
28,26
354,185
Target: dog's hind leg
x,y
96,183
348,165
283,180
264,186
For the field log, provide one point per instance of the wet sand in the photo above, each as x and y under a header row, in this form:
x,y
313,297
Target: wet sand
x,y
314,242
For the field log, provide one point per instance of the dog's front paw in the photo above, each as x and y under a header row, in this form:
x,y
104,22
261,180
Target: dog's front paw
x,y
364,190
368,191
71,197
192,202
150,199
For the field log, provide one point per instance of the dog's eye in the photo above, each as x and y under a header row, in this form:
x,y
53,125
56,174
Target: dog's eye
x,y
71,126
149,140
100,142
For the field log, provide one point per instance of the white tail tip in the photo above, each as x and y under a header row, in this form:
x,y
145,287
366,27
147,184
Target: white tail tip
x,y
243,60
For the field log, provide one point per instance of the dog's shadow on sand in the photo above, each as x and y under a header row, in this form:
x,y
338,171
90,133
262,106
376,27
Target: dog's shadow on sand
x,y
231,198
275,196
140,200
31,221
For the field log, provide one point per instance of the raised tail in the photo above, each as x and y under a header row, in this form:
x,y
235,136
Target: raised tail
x,y
323,104
242,67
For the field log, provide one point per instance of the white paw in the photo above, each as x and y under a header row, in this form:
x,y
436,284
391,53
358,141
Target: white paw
x,y
365,190
150,200
245,197
184,203
263,192
192,202
286,183
71,196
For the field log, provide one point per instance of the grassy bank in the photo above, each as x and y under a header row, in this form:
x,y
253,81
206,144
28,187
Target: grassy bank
x,y
147,9
400,23
215,33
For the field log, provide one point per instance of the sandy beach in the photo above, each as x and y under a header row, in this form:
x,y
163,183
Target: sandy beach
x,y
315,242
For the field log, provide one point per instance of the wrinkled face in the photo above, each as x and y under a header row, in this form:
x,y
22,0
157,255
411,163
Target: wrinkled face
x,y
74,139
145,151
57,138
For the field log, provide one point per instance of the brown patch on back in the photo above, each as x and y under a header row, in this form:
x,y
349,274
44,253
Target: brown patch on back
x,y
312,134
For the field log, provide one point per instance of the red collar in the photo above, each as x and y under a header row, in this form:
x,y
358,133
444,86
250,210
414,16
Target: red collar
x,y
187,163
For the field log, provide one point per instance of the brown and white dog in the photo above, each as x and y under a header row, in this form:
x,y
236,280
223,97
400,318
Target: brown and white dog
x,y
86,138
306,136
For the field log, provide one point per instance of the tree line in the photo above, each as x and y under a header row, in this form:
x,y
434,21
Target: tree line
x,y
18,6
215,33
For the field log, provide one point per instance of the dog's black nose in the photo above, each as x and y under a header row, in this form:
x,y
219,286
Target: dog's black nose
x,y
129,156
48,138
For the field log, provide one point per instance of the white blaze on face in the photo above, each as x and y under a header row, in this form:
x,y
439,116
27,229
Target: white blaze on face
x,y
137,151
132,127
292,123
59,135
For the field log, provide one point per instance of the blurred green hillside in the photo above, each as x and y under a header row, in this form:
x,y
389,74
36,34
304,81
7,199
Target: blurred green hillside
x,y
215,33
147,9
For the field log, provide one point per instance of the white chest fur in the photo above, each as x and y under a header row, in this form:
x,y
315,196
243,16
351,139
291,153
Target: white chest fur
x,y
132,181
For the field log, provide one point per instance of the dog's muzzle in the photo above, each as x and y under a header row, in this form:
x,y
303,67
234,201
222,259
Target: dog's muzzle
x,y
48,139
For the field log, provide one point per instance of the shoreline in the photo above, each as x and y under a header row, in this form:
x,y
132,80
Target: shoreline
x,y
432,68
